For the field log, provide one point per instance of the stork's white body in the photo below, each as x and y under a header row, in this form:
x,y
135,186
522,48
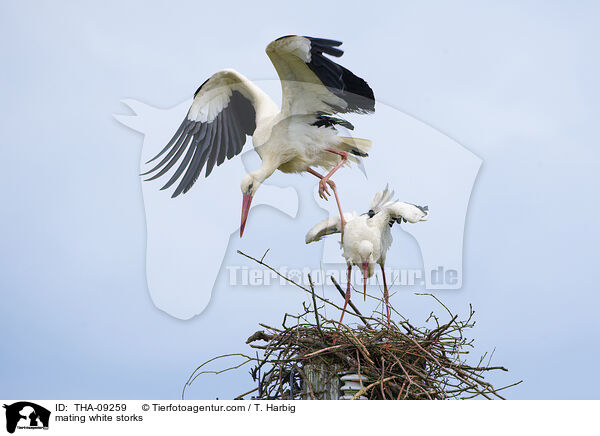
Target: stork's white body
x,y
291,144
373,234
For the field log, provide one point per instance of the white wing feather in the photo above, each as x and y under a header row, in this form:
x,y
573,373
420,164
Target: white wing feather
x,y
327,227
407,211
214,94
381,199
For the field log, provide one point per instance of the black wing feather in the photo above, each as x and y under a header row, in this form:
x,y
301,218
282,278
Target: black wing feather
x,y
324,120
189,174
179,145
214,150
175,137
245,112
225,137
179,148
235,137
236,126
195,166
205,143
172,161
339,80
197,169
180,169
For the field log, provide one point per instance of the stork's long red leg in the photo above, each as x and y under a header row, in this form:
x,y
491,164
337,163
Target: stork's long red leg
x,y
386,296
347,297
333,187
324,180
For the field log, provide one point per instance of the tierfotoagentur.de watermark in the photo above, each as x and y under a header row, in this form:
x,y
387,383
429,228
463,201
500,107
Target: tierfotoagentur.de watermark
x,y
261,277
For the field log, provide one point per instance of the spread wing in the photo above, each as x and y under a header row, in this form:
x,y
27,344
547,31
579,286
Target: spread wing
x,y
327,227
312,83
380,200
412,213
222,114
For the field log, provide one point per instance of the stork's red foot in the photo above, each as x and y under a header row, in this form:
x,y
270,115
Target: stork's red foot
x,y
323,191
324,181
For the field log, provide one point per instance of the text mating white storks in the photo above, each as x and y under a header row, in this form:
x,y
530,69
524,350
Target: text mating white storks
x,y
368,237
294,139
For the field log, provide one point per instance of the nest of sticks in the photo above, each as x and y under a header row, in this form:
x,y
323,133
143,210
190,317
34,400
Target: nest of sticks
x,y
305,357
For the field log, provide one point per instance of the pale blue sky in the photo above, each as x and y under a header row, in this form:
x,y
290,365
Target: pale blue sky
x,y
515,82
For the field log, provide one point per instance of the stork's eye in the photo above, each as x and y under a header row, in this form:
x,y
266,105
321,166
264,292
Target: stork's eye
x,y
250,186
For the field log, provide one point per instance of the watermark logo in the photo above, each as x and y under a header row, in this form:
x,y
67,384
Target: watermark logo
x,y
260,277
192,239
25,415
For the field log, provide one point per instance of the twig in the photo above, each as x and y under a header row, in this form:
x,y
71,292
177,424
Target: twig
x,y
241,396
312,289
364,390
354,308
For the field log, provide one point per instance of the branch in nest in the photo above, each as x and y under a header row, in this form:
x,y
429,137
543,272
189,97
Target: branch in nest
x,y
414,363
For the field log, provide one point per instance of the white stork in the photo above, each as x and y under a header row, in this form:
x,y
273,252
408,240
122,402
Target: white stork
x,y
368,236
294,139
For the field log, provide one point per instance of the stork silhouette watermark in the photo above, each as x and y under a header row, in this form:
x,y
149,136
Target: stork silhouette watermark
x,y
189,237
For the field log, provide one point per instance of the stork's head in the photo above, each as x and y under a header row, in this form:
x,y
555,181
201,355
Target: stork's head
x,y
365,251
249,186
365,259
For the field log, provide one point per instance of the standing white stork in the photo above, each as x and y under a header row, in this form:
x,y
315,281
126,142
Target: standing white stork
x,y
368,236
293,139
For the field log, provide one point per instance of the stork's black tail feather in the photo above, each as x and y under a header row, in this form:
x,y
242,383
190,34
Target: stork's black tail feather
x,y
324,120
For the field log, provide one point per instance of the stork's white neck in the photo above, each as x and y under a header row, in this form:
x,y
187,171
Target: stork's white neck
x,y
265,171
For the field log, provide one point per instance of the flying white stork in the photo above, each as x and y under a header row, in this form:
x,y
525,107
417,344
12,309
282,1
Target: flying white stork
x,y
294,139
368,236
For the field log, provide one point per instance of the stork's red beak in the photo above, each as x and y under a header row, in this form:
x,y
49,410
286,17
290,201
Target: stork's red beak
x,y
365,268
246,202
